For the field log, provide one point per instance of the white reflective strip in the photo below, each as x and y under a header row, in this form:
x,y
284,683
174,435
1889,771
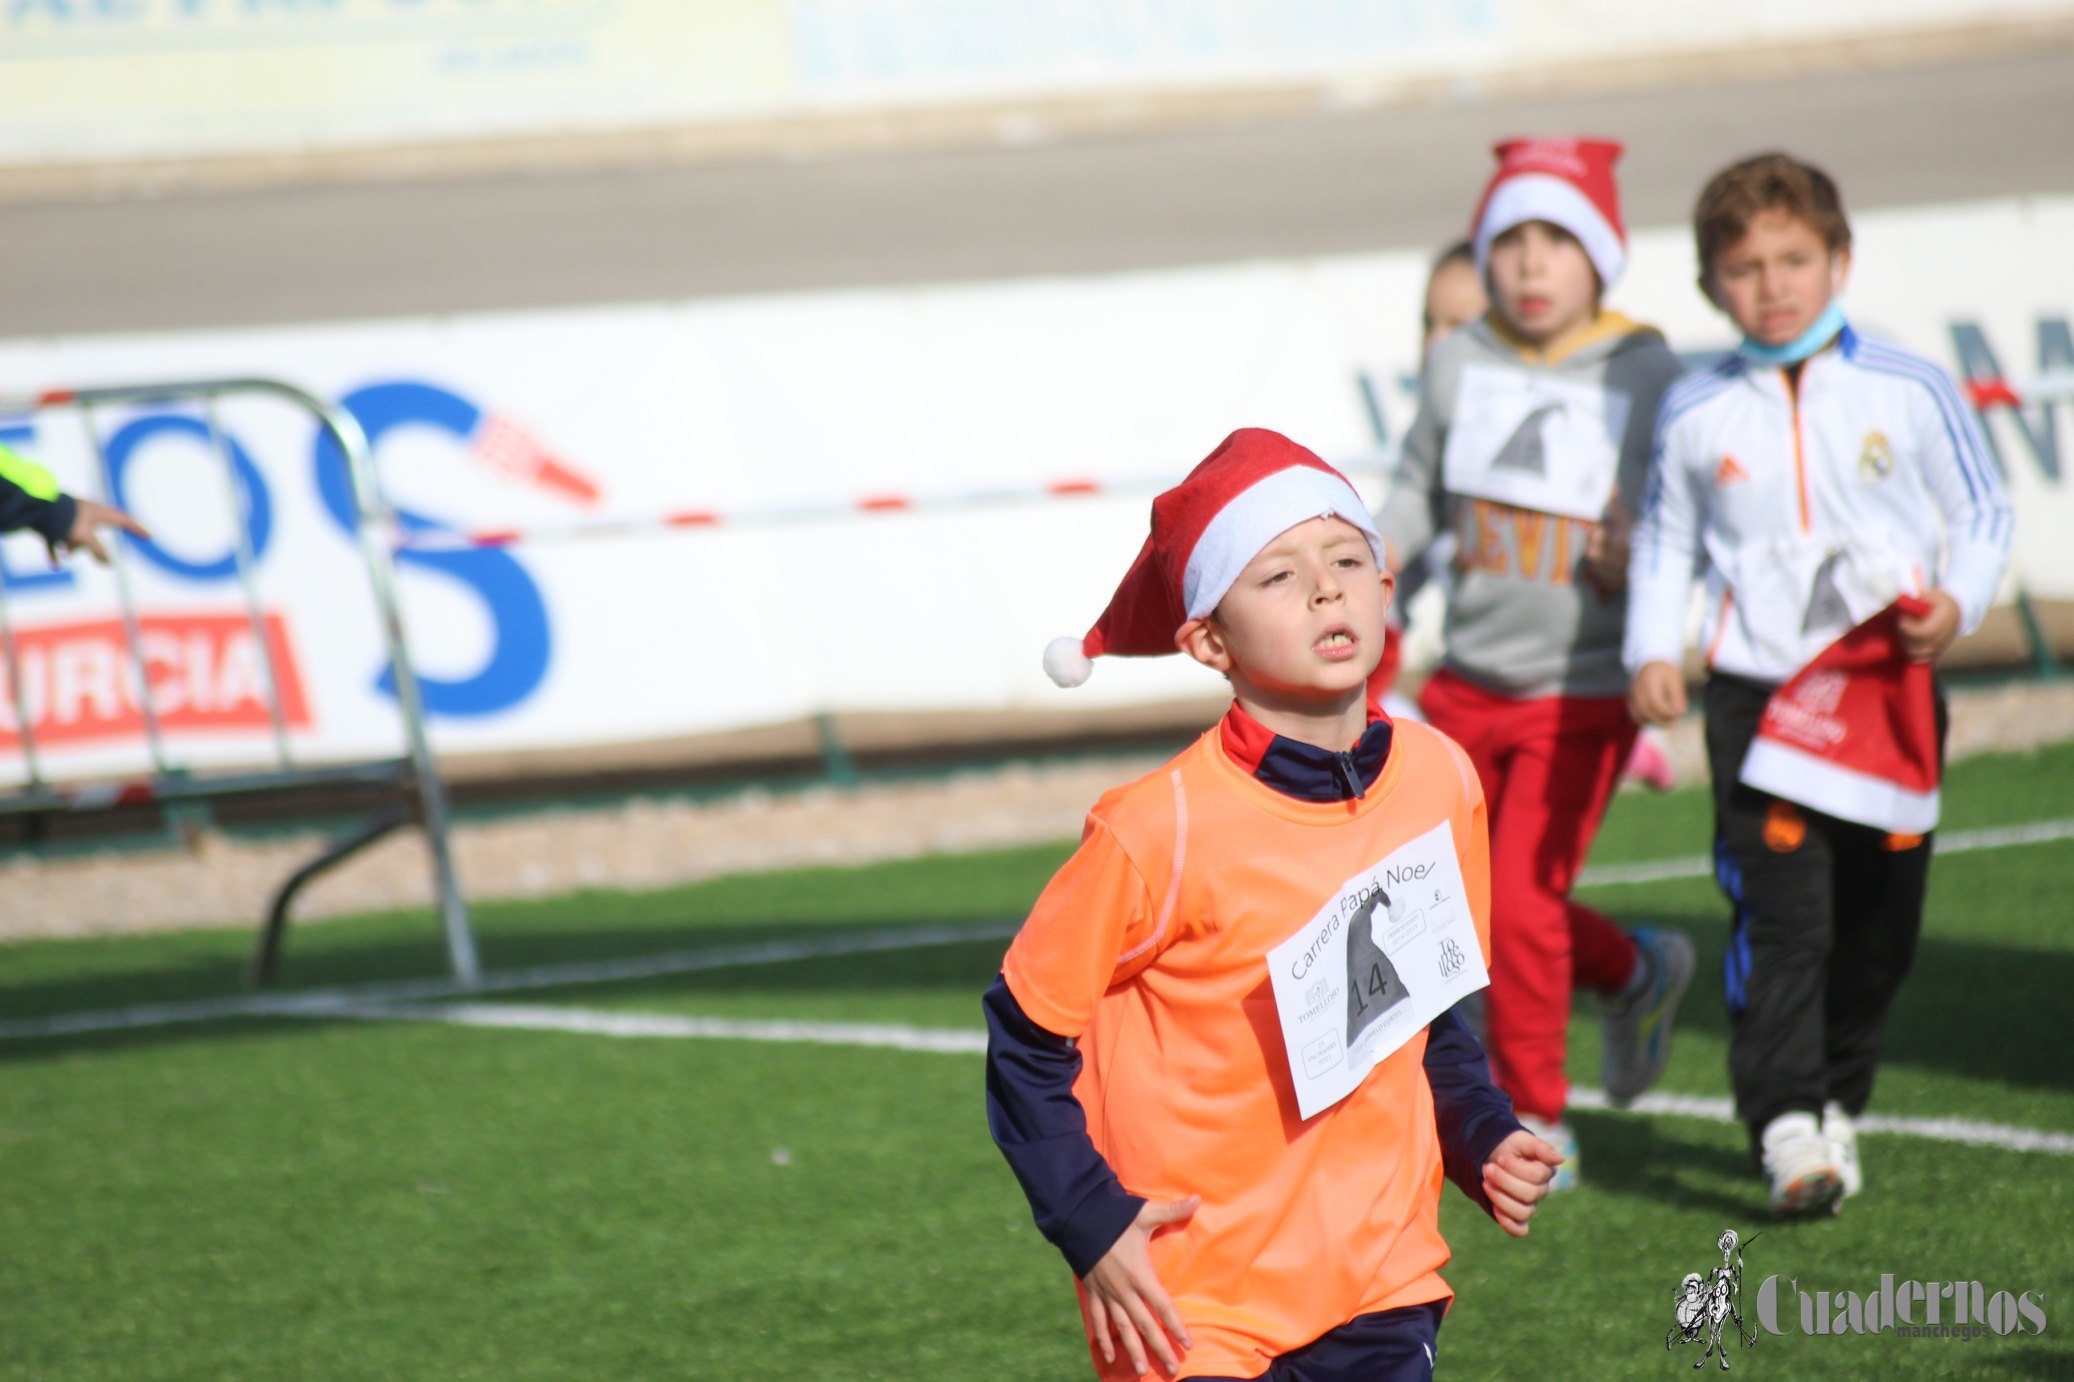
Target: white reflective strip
x,y
1166,911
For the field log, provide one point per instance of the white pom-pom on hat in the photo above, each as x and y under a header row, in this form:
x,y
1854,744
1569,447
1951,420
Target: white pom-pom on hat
x,y
1066,663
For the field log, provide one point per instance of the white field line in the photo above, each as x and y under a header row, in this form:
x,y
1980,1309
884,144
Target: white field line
x,y
1957,842
324,1002
1718,1109
319,1002
604,1022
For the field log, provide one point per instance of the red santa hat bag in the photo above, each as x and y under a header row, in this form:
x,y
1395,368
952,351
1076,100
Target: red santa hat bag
x,y
1854,733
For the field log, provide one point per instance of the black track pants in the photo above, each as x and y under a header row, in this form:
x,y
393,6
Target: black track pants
x,y
1826,918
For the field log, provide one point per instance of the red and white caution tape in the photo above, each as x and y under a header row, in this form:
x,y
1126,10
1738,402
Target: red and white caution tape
x,y
771,515
506,448
813,511
1984,394
1992,391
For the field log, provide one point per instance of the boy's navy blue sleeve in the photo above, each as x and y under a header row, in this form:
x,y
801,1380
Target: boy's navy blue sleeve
x,y
1039,1125
1471,1114
20,509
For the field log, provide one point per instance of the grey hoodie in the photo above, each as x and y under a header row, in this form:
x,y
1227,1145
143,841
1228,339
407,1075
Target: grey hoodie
x,y
1521,620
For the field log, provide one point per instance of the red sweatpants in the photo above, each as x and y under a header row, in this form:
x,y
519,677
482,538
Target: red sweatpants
x,y
1548,766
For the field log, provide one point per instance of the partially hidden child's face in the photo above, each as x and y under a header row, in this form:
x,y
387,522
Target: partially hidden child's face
x,y
1454,298
1778,279
1303,624
1542,282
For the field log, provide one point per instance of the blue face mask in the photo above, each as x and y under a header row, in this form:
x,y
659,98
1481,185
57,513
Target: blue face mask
x,y
1826,328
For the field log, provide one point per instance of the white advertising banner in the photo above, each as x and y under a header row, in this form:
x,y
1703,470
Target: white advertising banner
x,y
902,401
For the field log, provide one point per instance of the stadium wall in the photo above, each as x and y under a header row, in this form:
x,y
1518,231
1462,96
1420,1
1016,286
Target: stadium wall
x,y
98,81
819,452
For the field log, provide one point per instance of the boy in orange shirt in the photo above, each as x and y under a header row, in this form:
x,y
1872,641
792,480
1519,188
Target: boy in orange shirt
x,y
1222,1058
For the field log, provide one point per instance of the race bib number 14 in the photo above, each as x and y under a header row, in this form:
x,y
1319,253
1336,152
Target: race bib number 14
x,y
1395,949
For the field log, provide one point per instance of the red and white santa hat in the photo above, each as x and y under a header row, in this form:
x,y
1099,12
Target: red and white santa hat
x,y
1254,487
1566,182
1854,733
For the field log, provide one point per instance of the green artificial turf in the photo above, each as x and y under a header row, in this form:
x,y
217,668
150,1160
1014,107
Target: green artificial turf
x,y
293,1198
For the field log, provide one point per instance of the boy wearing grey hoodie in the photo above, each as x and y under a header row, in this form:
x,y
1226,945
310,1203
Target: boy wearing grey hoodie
x,y
1532,445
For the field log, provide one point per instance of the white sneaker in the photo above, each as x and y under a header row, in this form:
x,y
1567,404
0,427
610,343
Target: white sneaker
x,y
1843,1141
1801,1165
1636,1026
1558,1135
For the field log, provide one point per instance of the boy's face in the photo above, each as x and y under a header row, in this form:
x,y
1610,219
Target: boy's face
x,y
1454,298
1542,282
1302,627
1777,279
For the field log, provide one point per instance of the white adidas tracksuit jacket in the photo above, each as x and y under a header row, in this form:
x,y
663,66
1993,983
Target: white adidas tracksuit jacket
x,y
1807,510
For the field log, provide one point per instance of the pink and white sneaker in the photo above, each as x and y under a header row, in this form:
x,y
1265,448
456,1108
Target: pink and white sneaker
x,y
1649,764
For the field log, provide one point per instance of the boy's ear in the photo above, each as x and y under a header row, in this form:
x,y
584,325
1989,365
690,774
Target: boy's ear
x,y
1202,640
1389,587
1706,287
1839,270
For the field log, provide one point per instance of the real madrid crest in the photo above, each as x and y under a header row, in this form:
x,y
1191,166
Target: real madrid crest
x,y
1876,461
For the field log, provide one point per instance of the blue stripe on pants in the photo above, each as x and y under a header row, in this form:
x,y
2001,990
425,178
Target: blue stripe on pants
x,y
1735,964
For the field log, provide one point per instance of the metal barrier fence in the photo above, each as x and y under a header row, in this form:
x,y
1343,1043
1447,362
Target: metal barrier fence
x,y
414,774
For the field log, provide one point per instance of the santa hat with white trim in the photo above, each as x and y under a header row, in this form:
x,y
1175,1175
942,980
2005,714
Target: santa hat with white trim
x,y
1254,487
1566,182
1854,733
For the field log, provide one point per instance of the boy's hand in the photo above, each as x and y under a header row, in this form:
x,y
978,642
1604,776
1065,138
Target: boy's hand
x,y
88,518
1516,1177
1606,551
1125,1300
1925,637
1657,694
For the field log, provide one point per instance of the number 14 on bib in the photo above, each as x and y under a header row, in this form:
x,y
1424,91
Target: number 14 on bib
x,y
1392,950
